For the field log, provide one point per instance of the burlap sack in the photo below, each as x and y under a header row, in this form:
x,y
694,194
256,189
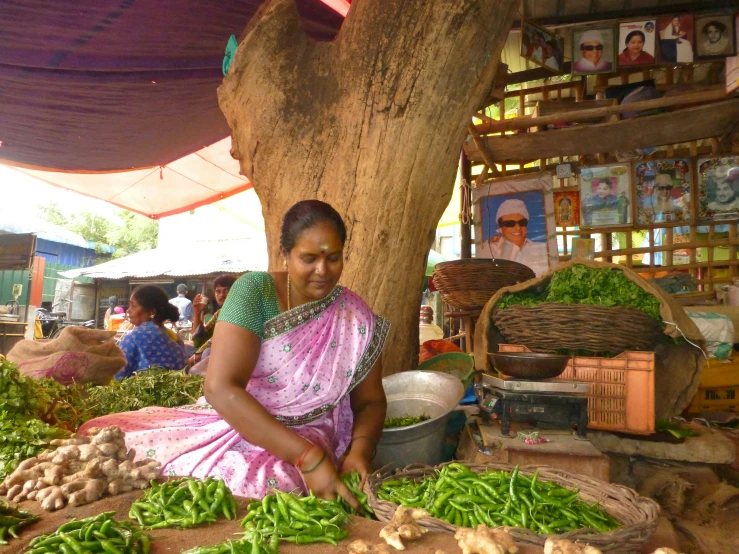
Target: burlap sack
x,y
678,367
78,355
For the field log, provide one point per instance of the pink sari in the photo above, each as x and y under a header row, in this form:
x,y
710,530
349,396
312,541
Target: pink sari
x,y
311,358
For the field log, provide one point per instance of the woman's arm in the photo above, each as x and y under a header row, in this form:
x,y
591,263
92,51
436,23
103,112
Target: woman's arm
x,y
369,406
131,351
198,309
233,358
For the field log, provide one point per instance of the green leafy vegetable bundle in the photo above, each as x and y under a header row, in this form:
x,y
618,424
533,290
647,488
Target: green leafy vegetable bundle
x,y
580,284
152,387
22,438
497,498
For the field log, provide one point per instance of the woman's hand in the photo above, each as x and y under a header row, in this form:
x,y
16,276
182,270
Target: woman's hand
x,y
197,306
324,481
195,358
357,461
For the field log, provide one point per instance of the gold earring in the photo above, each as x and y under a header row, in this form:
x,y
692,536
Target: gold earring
x,y
284,264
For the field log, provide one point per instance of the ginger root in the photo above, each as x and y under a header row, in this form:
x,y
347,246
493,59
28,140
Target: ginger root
x,y
81,470
484,540
559,546
404,526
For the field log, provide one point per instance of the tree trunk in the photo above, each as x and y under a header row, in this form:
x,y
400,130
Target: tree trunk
x,y
371,123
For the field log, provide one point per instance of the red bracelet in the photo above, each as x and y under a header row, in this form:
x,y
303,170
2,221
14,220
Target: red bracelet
x,y
301,459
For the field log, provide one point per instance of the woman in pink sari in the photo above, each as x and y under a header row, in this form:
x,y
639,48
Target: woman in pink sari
x,y
294,386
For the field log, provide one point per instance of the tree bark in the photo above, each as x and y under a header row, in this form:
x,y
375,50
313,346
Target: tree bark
x,y
371,123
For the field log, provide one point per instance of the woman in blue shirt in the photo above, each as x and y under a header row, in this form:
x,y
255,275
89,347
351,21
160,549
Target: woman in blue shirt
x,y
150,343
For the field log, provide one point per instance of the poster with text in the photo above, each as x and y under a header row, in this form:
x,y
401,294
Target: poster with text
x,y
605,196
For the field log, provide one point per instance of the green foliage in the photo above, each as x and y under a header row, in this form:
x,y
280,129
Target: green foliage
x,y
22,438
580,284
152,387
133,234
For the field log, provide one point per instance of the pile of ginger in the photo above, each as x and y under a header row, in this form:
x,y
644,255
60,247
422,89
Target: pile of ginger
x,y
81,470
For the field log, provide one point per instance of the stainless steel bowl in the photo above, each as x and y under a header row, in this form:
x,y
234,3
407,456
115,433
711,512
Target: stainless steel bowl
x,y
529,365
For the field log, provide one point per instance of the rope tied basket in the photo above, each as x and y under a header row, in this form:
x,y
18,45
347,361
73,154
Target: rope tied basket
x,y
549,326
636,514
469,283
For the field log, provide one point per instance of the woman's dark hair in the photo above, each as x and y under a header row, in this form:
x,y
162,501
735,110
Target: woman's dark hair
x,y
112,301
303,216
720,27
224,281
151,297
632,34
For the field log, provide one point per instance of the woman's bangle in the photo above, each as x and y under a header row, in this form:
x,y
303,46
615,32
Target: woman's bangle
x,y
301,459
318,463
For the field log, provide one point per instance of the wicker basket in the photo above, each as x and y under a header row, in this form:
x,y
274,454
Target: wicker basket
x,y
468,284
549,327
637,514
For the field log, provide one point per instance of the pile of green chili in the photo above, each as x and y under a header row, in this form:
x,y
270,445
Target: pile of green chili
x,y
352,481
498,498
407,421
12,521
183,503
94,534
287,517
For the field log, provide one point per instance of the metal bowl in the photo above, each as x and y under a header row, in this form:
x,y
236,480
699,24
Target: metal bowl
x,y
529,365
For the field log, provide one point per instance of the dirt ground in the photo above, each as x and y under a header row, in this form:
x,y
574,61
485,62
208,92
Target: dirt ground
x,y
174,541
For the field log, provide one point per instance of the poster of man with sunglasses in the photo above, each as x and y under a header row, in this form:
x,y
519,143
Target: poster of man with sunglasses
x,y
514,220
663,191
593,51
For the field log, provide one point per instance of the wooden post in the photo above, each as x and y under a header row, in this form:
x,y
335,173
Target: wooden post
x,y
465,168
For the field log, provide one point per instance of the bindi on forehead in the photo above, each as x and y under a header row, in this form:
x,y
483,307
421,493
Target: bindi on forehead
x,y
323,247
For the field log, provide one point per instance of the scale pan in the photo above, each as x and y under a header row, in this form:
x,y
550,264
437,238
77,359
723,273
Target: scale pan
x,y
529,365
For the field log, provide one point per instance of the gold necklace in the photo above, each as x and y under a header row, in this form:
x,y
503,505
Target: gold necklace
x,y
288,292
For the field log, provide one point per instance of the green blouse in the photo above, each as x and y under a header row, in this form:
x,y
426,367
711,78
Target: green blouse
x,y
251,302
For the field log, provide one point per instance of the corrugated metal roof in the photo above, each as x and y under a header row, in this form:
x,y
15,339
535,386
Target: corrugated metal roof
x,y
42,229
198,258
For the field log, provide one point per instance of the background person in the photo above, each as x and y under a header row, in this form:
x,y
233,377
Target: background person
x,y
113,308
203,333
512,243
295,380
150,343
591,54
182,303
634,53
673,43
725,180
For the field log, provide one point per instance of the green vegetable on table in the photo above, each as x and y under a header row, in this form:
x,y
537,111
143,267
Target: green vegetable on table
x,y
93,534
580,284
406,421
22,438
151,387
498,498
290,518
183,503
352,481
12,521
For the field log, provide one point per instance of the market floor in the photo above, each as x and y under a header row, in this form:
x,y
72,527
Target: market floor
x,y
174,541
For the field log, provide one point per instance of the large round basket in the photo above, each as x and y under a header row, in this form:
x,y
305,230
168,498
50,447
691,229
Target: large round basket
x,y
637,514
468,284
549,327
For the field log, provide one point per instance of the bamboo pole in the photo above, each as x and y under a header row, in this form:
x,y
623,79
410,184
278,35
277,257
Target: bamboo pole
x,y
713,94
675,246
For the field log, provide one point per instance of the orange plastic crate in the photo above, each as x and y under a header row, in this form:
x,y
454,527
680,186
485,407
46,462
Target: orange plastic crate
x,y
620,390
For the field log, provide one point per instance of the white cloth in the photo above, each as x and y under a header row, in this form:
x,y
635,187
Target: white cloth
x,y
732,206
531,254
551,61
586,66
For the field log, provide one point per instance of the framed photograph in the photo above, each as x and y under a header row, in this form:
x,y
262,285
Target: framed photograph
x,y
605,196
567,209
732,63
718,194
593,50
637,41
714,36
663,191
676,34
514,220
542,46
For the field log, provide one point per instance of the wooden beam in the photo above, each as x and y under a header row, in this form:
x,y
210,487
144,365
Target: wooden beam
x,y
642,132
577,116
536,74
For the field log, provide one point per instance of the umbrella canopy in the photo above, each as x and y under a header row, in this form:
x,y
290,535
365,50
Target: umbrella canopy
x,y
91,86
